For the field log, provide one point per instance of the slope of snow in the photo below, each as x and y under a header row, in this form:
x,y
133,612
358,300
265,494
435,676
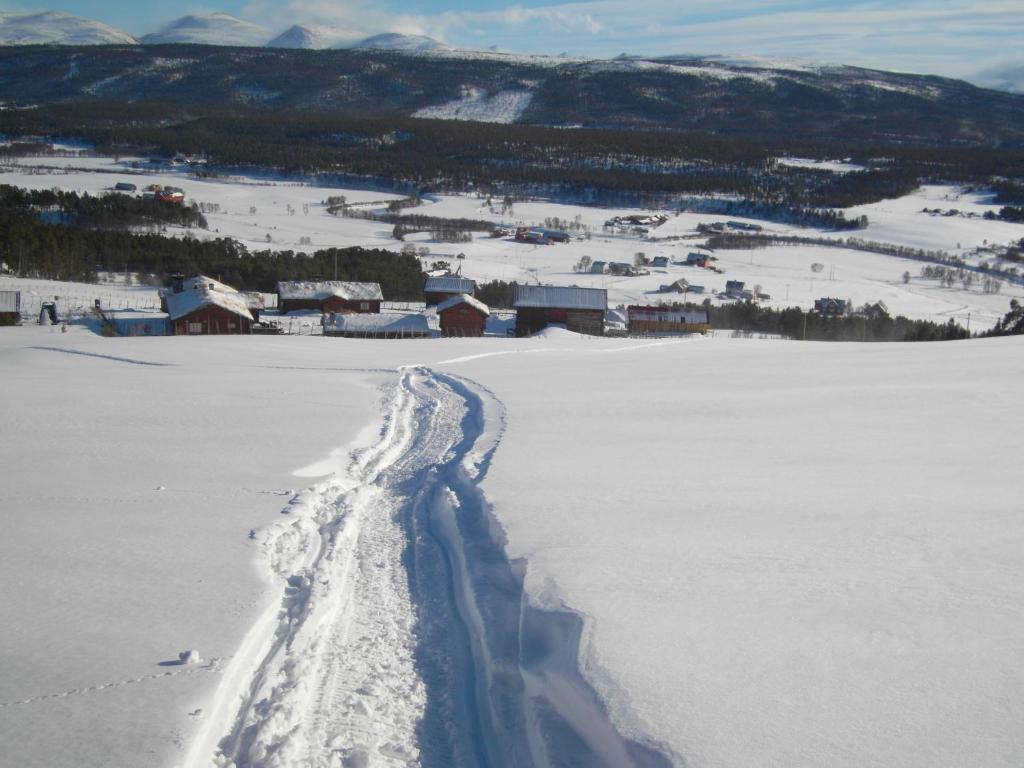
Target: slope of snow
x,y
771,556
56,28
393,41
310,37
478,105
210,29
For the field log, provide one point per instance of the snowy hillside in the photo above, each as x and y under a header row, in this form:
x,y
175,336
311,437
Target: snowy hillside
x,y
480,106
56,28
211,29
758,571
393,41
309,37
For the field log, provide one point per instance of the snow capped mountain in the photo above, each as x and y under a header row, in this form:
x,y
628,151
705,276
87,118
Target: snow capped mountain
x,y
393,41
55,28
213,29
311,38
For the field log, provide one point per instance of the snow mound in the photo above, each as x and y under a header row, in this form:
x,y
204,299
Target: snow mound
x,y
190,657
478,105
213,29
55,28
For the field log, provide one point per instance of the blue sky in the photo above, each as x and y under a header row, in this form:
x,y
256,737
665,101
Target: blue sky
x,y
951,37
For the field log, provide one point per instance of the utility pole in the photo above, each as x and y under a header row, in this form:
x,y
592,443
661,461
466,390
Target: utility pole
x,y
804,336
335,265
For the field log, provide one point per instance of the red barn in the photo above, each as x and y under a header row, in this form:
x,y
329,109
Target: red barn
x,y
329,296
463,315
203,306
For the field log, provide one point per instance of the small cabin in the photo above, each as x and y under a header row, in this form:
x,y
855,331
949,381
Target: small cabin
x,y
202,306
463,316
329,296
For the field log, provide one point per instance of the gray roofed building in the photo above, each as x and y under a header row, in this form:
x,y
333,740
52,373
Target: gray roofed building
x,y
449,284
320,291
559,297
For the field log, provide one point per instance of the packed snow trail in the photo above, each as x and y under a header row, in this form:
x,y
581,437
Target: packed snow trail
x,y
403,636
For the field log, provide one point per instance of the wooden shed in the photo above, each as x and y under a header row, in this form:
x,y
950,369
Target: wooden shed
x,y
329,296
10,307
667,320
204,306
439,289
463,315
578,309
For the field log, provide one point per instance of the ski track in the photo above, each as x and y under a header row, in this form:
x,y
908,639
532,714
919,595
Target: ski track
x,y
402,629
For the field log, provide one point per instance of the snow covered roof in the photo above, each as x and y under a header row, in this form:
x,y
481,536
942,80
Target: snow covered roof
x,y
449,284
463,298
376,323
199,292
561,297
326,289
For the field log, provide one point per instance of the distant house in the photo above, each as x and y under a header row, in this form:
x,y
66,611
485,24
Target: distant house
x,y
876,311
830,307
667,320
541,236
659,261
329,296
438,289
734,289
743,226
203,306
10,307
679,286
124,186
694,259
578,309
463,316
598,267
376,326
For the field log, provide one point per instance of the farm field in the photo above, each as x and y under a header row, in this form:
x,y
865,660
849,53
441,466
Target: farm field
x,y
772,548
286,215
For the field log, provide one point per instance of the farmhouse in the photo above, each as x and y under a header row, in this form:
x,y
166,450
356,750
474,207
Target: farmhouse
x,y
10,307
463,316
329,296
376,326
439,289
579,309
735,289
694,259
667,320
830,307
204,306
541,236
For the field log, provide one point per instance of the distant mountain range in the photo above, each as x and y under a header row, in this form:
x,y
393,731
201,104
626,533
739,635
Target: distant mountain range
x,y
755,98
56,28
222,29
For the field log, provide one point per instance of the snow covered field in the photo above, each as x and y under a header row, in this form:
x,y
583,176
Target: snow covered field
x,y
283,215
783,553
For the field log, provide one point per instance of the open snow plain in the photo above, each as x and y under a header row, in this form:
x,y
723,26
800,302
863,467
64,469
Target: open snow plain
x,y
278,214
769,552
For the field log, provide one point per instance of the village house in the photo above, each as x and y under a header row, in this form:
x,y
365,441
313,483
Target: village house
x,y
667,320
830,307
735,289
578,309
679,286
203,306
442,288
329,296
376,326
659,261
694,259
463,315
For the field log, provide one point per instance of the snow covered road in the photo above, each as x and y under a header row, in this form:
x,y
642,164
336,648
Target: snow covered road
x,y
402,635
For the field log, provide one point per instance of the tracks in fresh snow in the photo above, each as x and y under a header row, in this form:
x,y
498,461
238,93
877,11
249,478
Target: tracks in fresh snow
x,y
403,636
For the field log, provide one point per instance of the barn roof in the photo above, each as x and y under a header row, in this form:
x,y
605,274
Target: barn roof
x,y
323,290
207,294
463,298
374,323
449,284
559,297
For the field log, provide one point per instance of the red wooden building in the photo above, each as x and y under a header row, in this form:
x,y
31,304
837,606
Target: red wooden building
x,y
463,315
203,306
579,309
329,296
